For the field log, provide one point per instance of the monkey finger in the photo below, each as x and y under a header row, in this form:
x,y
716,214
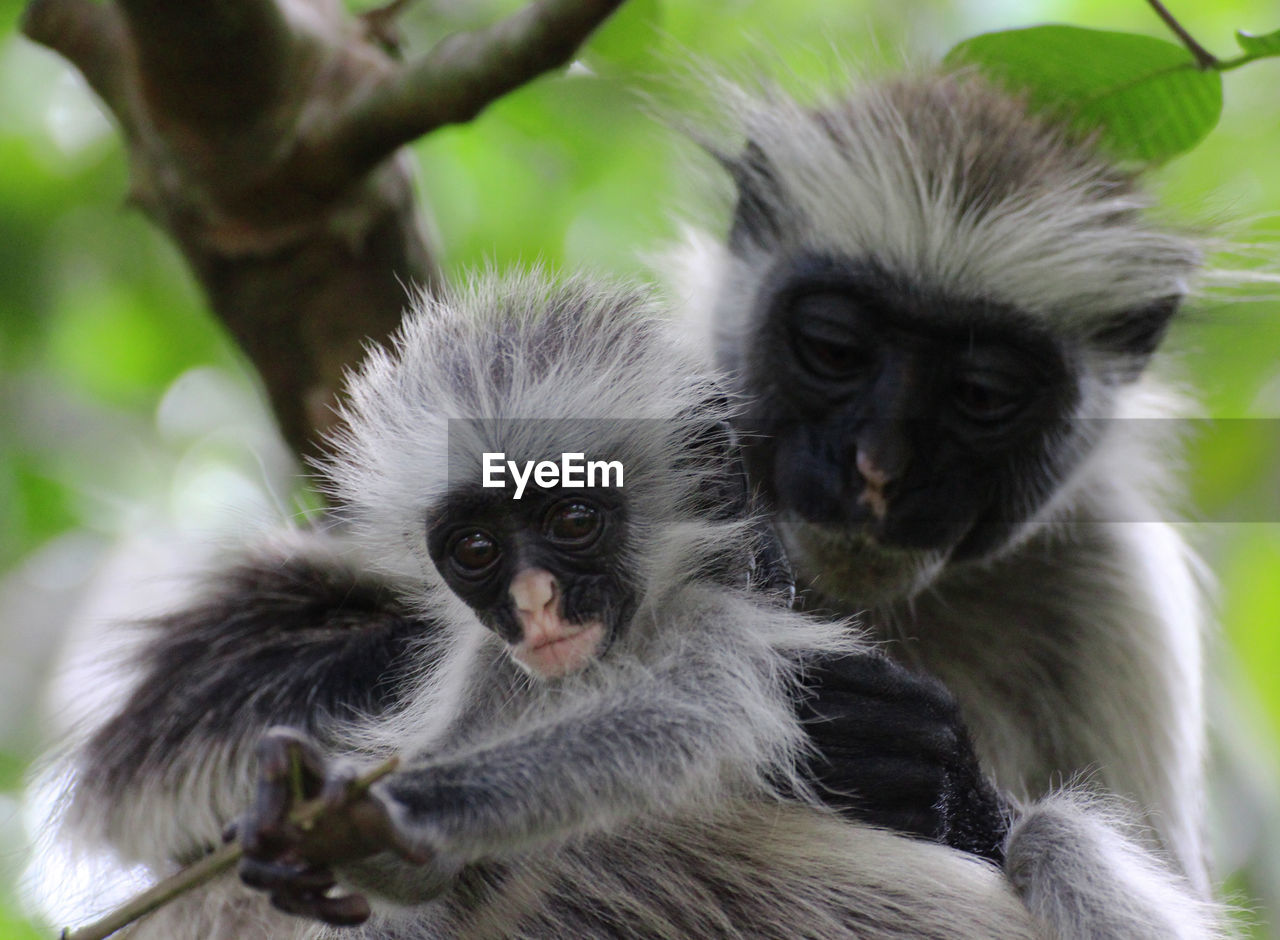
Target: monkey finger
x,y
275,752
878,791
335,790
879,677
346,910
926,825
892,777
273,876
263,828
282,748
876,728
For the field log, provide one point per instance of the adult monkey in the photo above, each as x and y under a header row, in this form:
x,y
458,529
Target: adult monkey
x,y
937,304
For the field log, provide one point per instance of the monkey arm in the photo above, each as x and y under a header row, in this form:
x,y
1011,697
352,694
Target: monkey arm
x,y
666,736
660,738
1082,870
284,636
892,750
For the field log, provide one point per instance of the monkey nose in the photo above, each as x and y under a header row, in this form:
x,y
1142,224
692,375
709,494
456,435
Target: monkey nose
x,y
535,591
875,479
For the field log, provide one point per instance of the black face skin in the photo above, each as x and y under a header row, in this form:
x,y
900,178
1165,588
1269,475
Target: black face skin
x,y
481,540
921,421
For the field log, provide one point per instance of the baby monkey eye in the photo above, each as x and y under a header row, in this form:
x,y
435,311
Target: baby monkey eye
x,y
574,523
474,552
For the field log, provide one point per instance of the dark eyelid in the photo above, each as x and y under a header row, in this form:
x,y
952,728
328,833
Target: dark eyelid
x,y
828,309
822,330
997,379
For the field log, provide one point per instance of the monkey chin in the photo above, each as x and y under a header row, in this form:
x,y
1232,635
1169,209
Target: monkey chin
x,y
854,568
562,652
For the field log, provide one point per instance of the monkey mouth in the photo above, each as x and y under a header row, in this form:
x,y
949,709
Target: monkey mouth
x,y
854,565
555,653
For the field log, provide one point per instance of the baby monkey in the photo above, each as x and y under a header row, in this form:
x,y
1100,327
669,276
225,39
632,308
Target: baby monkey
x,y
600,738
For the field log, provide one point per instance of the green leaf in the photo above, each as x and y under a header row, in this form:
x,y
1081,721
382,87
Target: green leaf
x,y
1260,46
1145,98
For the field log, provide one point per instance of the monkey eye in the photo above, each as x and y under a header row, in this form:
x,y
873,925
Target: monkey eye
x,y
989,397
832,360
823,340
474,552
575,524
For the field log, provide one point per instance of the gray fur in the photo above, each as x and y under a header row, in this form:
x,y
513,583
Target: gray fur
x,y
1075,652
637,798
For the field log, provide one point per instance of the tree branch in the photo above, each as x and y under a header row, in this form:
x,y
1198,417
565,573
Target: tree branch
x,y
89,36
453,83
209,63
382,23
259,143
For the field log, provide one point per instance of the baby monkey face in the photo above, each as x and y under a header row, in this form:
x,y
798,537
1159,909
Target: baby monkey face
x,y
544,573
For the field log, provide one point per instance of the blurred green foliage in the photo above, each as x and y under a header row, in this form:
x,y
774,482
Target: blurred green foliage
x,y
101,329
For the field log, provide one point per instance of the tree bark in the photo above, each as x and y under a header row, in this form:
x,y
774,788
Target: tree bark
x,y
264,138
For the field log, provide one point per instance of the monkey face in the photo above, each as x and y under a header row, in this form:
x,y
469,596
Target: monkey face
x,y
544,573
897,428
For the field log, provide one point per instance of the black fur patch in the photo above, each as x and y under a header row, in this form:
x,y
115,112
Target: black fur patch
x,y
291,644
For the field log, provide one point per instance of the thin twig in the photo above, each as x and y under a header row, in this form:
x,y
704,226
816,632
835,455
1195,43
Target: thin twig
x,y
1204,58
209,867
381,22
453,83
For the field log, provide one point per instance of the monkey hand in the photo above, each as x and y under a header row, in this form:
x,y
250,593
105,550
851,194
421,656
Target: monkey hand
x,y
891,750
291,860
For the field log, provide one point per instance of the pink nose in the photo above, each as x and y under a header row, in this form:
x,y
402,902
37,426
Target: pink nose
x,y
534,591
876,478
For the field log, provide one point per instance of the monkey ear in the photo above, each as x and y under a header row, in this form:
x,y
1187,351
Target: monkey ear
x,y
1136,334
759,216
